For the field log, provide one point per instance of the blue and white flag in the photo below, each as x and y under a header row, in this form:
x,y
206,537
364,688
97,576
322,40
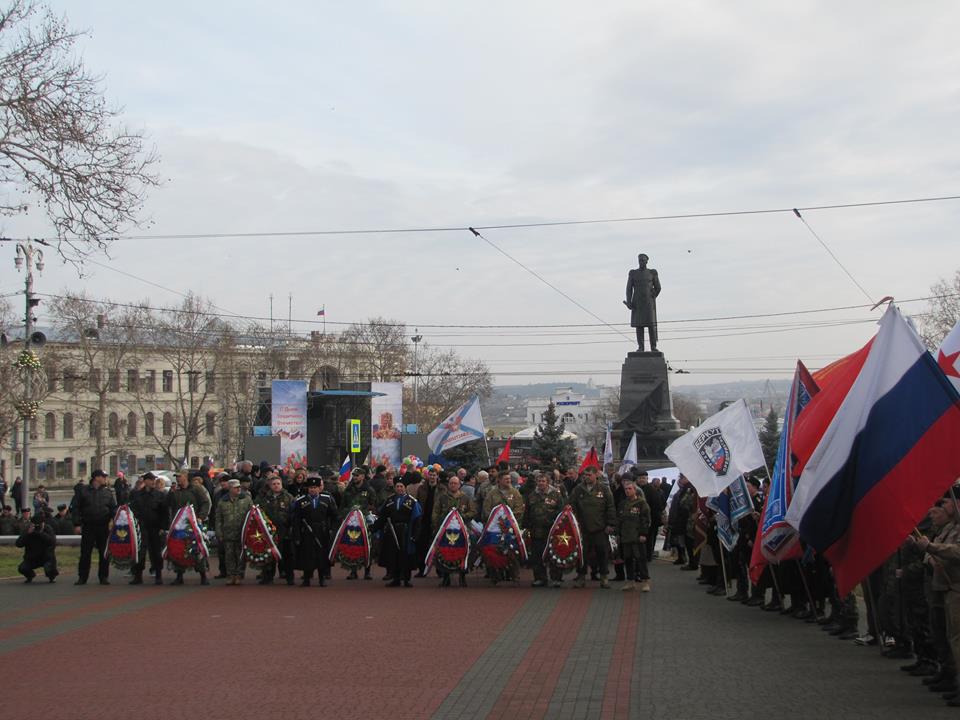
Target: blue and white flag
x,y
461,426
608,447
740,503
629,457
726,528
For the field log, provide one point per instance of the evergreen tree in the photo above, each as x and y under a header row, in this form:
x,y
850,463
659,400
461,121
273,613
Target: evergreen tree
x,y
549,447
770,438
471,455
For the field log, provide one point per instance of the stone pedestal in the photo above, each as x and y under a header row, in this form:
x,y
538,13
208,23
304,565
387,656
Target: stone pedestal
x,y
646,409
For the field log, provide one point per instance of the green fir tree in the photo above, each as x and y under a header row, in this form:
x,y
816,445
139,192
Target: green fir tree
x,y
549,447
770,438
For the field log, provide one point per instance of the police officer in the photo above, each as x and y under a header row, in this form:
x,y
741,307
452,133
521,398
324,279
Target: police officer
x,y
92,517
311,518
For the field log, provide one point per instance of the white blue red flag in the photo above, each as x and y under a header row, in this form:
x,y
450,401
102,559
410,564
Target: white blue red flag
x,y
888,454
462,425
948,356
722,448
345,469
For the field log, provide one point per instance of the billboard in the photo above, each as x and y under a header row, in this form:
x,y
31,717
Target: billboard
x,y
386,419
288,420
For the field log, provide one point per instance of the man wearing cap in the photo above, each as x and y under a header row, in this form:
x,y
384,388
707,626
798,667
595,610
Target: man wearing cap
x,y
358,495
231,512
62,523
149,507
8,523
311,518
399,519
39,543
92,517
275,502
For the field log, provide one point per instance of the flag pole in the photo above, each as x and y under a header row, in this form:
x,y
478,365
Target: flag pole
x,y
487,446
776,585
806,587
723,568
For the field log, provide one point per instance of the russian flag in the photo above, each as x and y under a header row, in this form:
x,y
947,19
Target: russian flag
x,y
345,469
887,455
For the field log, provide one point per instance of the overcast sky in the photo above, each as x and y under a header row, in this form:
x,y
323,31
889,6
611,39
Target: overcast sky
x,y
328,115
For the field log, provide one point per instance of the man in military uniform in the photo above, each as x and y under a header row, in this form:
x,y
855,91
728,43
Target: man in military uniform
x,y
311,518
358,495
231,512
275,502
643,287
399,520
62,522
542,507
8,523
219,492
633,528
453,499
92,517
180,495
593,505
504,493
150,508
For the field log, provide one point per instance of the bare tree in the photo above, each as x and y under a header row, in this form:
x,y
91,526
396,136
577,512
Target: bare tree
x,y
377,349
943,311
61,145
445,380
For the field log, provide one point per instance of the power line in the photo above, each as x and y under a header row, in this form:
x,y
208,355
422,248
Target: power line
x,y
517,226
831,253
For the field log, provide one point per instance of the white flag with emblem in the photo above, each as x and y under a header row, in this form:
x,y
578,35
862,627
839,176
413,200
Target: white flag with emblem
x,y
462,425
948,356
718,451
630,456
608,447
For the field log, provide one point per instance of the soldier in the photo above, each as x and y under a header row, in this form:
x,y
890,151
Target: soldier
x,y
358,495
427,495
453,499
92,518
150,508
231,512
633,527
311,517
218,494
593,505
8,523
62,522
180,495
505,493
542,507
39,543
399,519
276,503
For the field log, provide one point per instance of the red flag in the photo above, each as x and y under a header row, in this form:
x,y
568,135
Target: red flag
x,y
504,455
591,460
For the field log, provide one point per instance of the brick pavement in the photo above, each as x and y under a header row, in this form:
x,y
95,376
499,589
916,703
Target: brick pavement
x,y
356,649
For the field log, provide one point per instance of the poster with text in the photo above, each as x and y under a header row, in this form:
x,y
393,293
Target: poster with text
x,y
289,420
386,419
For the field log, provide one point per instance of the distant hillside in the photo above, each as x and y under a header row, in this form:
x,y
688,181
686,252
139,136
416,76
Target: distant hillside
x,y
545,389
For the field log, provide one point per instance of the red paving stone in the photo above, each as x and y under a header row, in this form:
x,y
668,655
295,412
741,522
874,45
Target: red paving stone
x,y
354,650
529,691
616,694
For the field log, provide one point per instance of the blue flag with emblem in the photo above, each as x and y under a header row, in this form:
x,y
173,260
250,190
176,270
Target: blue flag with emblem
x,y
726,528
463,425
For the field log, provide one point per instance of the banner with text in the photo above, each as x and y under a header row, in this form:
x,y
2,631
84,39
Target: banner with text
x,y
386,419
289,420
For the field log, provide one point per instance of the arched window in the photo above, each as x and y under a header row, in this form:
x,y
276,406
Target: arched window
x,y
326,378
94,425
50,426
131,424
113,425
167,424
148,424
68,426
211,424
567,418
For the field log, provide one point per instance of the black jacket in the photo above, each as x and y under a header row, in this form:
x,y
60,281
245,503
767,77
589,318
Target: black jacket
x,y
151,509
94,507
38,545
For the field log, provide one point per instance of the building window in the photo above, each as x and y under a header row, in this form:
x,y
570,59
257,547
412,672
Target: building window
x,y
113,380
113,426
193,380
133,377
50,426
296,368
148,425
69,380
33,428
167,424
131,424
211,424
114,465
211,381
243,380
193,428
150,462
93,381
150,381
51,378
195,462
68,426
262,378
168,380
94,425
82,469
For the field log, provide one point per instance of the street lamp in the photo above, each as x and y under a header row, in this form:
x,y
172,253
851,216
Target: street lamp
x,y
416,378
27,255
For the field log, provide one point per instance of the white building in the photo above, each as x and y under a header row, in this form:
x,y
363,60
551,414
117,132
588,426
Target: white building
x,y
585,416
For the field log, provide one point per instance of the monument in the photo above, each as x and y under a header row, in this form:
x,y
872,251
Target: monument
x,y
645,404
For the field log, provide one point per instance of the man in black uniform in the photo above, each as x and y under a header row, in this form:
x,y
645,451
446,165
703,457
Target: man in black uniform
x,y
92,517
150,508
311,517
39,543
399,519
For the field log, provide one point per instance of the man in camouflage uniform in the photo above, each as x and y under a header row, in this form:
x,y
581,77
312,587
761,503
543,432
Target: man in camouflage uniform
x,y
542,507
358,495
592,503
633,527
453,499
182,494
504,493
231,512
275,502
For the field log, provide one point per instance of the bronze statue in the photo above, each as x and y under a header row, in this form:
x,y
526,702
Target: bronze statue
x,y
643,286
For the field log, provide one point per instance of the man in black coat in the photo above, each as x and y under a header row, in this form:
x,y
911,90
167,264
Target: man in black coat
x,y
92,517
655,500
38,541
311,519
151,510
399,519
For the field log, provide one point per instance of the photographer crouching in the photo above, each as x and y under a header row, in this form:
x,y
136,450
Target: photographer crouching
x,y
39,542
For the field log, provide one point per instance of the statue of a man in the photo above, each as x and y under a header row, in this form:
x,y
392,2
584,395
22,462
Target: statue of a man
x,y
643,286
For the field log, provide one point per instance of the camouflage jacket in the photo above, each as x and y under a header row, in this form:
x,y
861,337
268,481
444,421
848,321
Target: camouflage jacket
x,y
447,501
542,510
230,516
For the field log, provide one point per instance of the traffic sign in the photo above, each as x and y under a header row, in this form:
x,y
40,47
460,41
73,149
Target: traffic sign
x,y
354,436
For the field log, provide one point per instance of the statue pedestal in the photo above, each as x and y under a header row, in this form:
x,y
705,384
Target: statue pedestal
x,y
646,409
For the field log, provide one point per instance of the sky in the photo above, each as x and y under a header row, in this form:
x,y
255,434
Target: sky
x,y
326,116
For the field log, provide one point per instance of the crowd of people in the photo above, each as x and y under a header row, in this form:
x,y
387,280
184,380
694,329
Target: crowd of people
x,y
912,601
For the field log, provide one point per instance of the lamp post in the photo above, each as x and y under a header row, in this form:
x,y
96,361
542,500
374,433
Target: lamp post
x,y
416,378
27,255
